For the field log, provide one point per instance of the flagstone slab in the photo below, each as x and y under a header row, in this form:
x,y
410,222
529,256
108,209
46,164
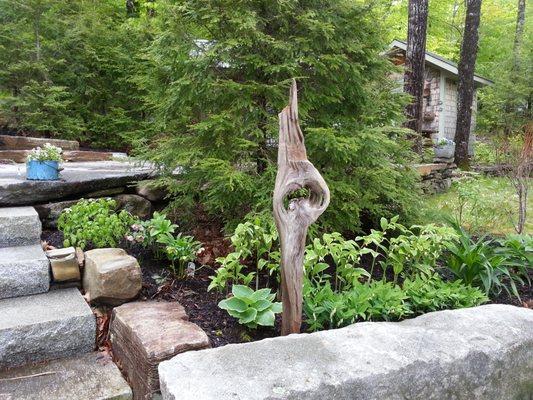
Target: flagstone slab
x,y
45,326
86,377
77,178
19,226
24,270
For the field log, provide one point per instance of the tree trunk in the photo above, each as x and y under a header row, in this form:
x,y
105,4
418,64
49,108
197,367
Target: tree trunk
x,y
519,33
465,88
295,172
414,65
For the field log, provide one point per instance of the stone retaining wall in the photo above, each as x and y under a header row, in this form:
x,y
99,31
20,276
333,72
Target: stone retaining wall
x,y
478,353
435,178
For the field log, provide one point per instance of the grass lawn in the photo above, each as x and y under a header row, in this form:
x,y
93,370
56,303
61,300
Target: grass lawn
x,y
483,204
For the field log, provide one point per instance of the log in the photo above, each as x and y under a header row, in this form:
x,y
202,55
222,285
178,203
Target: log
x,y
27,143
295,172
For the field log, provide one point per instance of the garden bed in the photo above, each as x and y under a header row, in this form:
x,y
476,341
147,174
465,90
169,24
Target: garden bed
x,y
202,306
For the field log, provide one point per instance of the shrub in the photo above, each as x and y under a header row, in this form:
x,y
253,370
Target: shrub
x,y
251,308
94,222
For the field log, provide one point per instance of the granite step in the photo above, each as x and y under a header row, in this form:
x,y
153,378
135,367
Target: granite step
x,y
45,326
24,270
85,377
19,226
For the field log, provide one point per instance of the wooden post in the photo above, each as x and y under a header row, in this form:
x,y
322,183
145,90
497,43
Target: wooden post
x,y
295,172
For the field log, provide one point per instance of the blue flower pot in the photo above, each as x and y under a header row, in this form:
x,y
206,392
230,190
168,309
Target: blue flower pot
x,y
42,170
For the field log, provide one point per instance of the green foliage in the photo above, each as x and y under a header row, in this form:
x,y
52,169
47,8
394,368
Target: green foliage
x,y
214,91
179,250
427,294
45,153
255,241
378,300
251,308
94,222
67,68
157,233
478,263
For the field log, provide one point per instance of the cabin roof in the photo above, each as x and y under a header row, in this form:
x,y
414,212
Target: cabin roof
x,y
440,63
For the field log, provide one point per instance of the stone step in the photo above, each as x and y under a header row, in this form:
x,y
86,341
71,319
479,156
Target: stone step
x,y
45,326
19,226
24,270
84,377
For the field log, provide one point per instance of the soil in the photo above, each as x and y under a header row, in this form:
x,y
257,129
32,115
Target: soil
x,y
201,305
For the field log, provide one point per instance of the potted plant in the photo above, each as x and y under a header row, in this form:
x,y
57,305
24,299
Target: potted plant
x,y
43,163
444,148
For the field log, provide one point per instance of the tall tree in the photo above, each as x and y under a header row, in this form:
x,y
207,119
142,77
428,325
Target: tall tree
x,y
465,88
414,63
519,32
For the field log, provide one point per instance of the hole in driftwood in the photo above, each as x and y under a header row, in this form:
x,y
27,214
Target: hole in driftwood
x,y
295,195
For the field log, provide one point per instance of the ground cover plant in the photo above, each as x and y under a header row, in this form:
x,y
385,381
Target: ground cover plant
x,y
95,223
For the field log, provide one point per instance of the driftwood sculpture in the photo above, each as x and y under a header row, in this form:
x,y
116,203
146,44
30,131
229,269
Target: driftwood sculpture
x,y
293,217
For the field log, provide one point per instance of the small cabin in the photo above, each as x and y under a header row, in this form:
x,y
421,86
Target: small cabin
x,y
439,109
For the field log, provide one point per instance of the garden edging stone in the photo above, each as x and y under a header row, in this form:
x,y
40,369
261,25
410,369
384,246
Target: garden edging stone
x,y
484,353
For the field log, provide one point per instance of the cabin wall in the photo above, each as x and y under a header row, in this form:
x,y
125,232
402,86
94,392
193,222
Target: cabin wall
x,y
431,100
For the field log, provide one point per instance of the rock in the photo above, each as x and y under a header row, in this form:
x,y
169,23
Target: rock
x,y
80,256
139,348
106,192
77,178
476,353
19,226
24,270
44,327
49,213
135,205
111,276
86,377
64,264
147,190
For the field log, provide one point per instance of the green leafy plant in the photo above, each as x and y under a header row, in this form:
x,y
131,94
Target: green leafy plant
x,y
254,241
94,222
476,262
251,308
431,293
151,231
46,153
179,250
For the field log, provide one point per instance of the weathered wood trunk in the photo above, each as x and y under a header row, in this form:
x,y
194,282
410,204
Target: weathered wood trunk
x,y
414,64
465,87
293,217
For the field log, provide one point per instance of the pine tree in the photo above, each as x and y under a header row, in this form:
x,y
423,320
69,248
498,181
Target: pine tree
x,y
219,73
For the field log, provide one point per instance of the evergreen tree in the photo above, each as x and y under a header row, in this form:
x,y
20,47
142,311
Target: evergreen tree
x,y
219,74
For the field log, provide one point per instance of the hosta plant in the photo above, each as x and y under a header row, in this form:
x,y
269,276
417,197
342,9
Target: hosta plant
x,y
251,308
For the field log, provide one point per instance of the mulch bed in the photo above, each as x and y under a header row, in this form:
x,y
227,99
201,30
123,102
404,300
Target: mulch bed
x,y
202,306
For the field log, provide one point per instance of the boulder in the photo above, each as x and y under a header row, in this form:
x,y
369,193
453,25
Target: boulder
x,y
147,190
111,276
476,353
139,348
64,264
136,205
